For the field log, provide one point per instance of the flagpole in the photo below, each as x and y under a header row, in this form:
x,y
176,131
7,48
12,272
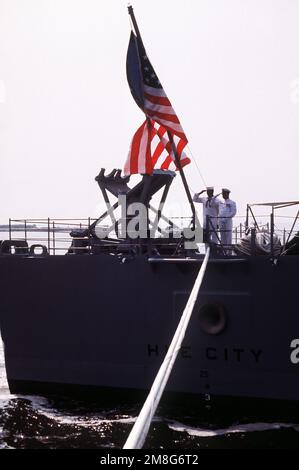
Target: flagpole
x,y
131,13
177,158
182,174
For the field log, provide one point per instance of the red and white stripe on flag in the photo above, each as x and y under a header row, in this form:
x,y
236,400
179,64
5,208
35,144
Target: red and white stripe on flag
x,y
139,159
158,107
151,148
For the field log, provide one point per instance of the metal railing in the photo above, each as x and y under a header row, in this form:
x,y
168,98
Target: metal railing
x,y
55,234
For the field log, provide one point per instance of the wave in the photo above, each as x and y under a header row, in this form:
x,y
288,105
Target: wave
x,y
234,429
88,418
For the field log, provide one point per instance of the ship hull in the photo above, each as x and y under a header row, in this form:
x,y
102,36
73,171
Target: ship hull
x,y
71,323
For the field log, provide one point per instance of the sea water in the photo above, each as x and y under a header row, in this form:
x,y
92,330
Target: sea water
x,y
36,422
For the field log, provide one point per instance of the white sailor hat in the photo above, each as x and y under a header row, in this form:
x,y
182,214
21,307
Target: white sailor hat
x,y
226,190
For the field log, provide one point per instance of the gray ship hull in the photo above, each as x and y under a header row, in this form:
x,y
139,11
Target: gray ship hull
x,y
80,322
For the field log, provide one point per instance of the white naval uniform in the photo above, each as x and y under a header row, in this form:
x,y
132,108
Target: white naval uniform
x,y
227,210
210,208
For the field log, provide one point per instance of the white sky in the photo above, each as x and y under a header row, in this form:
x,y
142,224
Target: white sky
x,y
230,68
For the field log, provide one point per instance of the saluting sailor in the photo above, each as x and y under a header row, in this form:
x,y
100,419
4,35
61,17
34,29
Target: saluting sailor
x,y
227,210
210,205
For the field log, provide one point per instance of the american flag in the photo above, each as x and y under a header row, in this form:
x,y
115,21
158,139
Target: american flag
x,y
152,144
151,148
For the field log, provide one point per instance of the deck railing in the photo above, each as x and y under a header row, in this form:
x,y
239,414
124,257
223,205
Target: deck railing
x,y
54,234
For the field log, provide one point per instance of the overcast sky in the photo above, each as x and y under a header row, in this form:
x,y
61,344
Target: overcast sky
x,y
230,68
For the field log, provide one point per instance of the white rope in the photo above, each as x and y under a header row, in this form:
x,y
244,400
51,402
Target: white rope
x,y
197,166
141,427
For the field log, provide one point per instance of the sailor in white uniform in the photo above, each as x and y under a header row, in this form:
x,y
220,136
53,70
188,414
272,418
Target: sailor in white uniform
x,y
210,205
227,210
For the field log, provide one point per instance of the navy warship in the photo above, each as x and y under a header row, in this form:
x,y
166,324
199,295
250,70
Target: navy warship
x,y
99,314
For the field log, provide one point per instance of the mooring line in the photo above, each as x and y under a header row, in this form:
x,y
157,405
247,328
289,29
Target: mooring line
x,y
141,427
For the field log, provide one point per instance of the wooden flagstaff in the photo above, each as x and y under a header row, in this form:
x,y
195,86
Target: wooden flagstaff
x,y
131,13
183,177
